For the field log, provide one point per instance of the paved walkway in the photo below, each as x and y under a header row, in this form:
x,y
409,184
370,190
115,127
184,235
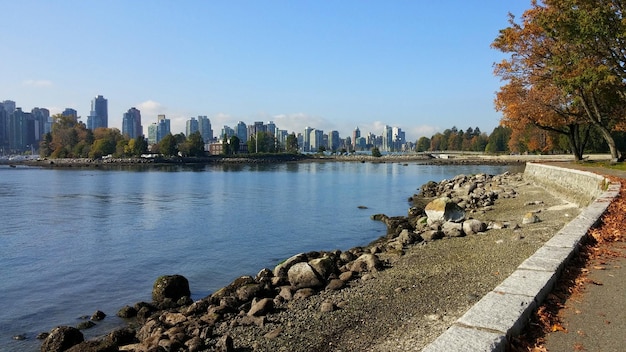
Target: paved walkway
x,y
595,321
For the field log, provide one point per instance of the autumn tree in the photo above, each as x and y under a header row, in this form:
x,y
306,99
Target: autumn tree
x,y
571,52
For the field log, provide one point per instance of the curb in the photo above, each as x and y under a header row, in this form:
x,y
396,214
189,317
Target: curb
x,y
505,311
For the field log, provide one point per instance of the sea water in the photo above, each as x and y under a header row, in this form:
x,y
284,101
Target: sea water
x,y
76,240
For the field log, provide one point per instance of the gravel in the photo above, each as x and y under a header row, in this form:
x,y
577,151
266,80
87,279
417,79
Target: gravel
x,y
419,294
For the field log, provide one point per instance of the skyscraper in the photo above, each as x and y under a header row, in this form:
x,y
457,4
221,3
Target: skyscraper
x,y
163,127
356,134
99,115
204,126
131,123
191,126
242,132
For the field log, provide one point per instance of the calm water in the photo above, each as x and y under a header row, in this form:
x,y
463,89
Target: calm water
x,y
75,241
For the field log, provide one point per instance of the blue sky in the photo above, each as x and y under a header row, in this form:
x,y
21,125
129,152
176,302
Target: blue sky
x,y
423,66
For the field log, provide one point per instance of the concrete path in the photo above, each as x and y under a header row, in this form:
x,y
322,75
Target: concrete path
x,y
595,321
600,318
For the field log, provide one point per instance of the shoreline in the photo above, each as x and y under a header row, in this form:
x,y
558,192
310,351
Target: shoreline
x,y
423,159
348,302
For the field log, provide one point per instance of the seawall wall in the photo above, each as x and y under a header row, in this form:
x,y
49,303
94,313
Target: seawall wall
x,y
576,186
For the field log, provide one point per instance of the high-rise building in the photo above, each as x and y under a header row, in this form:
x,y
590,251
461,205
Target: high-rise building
x,y
271,128
306,139
69,112
152,133
387,139
191,126
41,119
317,140
131,123
163,127
99,115
356,134
204,126
3,129
242,131
333,140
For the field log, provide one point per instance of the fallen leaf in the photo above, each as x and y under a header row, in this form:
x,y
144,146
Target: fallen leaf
x,y
558,327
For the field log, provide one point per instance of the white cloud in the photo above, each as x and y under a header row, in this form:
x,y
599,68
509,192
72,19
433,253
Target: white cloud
x,y
37,83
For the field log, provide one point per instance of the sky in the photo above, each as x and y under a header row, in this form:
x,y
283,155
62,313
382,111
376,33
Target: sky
x,y
423,66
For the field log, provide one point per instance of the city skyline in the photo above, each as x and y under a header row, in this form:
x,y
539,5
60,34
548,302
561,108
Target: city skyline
x,y
337,66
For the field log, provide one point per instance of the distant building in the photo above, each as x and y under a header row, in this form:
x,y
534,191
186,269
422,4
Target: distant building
x,y
317,140
99,114
306,139
163,127
204,126
242,131
356,134
333,141
69,112
387,139
191,126
131,123
152,133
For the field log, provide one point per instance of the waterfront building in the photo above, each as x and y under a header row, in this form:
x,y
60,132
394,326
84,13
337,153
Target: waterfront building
x,y
99,114
306,139
131,123
3,129
163,127
204,126
228,132
317,139
356,134
242,131
271,128
152,133
281,137
333,141
387,144
191,126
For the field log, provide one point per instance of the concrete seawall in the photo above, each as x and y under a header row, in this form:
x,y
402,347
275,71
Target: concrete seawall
x,y
504,312
576,186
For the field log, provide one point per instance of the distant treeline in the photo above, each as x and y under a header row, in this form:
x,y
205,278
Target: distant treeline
x,y
502,139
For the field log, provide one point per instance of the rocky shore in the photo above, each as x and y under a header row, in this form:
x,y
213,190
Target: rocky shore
x,y
460,238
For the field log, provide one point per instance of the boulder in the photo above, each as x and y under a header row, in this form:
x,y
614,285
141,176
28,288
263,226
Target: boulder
x,y
443,209
261,307
431,235
62,338
366,262
452,229
94,346
530,218
282,269
473,226
324,266
173,287
302,275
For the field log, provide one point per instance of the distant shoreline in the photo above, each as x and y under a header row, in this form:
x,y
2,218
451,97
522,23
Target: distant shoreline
x,y
443,159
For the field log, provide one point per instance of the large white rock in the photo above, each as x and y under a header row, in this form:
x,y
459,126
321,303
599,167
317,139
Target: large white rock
x,y
302,275
443,209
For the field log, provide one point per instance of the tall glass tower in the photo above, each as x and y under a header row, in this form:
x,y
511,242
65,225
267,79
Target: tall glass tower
x,y
99,115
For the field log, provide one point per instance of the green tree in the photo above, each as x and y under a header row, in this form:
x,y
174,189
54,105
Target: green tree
x,y
422,144
291,144
194,145
376,152
168,145
234,144
498,140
